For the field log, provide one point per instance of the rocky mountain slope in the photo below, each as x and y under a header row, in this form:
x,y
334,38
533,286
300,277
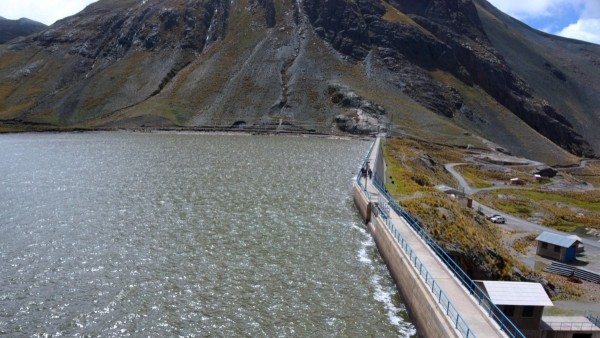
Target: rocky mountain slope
x,y
10,29
449,71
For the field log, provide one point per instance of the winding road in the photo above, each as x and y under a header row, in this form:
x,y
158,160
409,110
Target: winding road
x,y
512,222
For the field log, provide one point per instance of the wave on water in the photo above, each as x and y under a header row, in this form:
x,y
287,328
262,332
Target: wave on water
x,y
384,290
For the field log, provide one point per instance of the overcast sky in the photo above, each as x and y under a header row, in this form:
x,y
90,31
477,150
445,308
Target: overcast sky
x,y
578,19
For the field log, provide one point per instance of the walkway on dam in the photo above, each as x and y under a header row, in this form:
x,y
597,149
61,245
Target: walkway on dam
x,y
480,323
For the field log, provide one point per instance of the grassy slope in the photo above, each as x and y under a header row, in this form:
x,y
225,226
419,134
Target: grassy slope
x,y
566,211
448,221
413,167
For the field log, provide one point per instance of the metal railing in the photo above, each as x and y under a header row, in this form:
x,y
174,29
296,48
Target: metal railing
x,y
449,309
493,311
362,165
571,326
593,318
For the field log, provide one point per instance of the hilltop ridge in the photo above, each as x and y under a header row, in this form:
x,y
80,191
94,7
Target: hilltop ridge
x,y
450,71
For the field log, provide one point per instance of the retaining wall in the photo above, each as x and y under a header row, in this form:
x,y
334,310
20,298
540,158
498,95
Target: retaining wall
x,y
429,319
362,203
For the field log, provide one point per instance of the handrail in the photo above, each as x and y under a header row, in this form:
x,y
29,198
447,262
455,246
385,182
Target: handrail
x,y
592,318
364,187
570,326
450,310
505,324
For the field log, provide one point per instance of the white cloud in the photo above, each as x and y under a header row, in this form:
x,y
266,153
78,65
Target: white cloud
x,y
582,21
46,11
583,29
523,9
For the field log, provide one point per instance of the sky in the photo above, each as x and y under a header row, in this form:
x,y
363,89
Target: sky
x,y
577,19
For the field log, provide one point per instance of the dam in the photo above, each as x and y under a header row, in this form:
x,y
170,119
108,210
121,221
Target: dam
x,y
442,300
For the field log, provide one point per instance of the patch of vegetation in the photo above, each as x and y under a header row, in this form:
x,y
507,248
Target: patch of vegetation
x,y
473,242
566,211
590,174
474,176
411,167
522,244
394,15
415,166
461,229
568,290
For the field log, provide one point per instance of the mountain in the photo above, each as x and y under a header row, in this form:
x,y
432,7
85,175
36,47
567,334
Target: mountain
x,y
450,71
10,29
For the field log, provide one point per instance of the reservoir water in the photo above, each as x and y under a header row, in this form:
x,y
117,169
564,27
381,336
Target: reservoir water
x,y
130,234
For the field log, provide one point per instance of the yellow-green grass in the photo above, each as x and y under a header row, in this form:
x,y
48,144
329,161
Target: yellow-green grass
x,y
407,168
479,178
453,225
590,174
474,176
568,290
394,15
449,222
522,244
567,211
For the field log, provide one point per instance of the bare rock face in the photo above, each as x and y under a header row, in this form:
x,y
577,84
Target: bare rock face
x,y
359,116
188,63
455,42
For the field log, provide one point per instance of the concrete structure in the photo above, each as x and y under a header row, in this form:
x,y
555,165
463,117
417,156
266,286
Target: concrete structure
x,y
523,303
450,191
438,303
561,248
459,195
568,327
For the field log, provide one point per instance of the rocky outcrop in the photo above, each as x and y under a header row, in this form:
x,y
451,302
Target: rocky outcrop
x,y
453,40
360,116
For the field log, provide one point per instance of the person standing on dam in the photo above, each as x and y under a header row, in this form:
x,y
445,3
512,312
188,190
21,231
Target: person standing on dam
x,y
366,172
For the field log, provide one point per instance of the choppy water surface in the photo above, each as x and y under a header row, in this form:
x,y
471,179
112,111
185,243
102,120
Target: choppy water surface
x,y
124,234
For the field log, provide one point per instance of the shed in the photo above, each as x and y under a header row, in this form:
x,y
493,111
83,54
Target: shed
x,y
450,191
554,246
517,181
522,302
461,196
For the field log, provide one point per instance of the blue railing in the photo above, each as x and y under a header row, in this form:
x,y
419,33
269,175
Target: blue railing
x,y
450,310
493,311
362,165
594,319
384,207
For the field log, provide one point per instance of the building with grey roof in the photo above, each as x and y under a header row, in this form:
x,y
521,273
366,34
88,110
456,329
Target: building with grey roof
x,y
554,246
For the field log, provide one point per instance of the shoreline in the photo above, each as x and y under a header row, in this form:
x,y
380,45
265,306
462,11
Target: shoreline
x,y
197,131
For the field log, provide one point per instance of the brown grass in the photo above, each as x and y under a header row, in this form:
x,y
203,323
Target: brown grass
x,y
414,167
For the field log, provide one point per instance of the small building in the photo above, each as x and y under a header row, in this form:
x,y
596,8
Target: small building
x,y
517,181
560,248
450,191
546,172
459,195
522,302
570,327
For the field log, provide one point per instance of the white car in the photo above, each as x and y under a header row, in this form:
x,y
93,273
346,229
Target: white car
x,y
498,219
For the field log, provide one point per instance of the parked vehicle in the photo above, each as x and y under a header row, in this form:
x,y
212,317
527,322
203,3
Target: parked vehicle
x,y
498,219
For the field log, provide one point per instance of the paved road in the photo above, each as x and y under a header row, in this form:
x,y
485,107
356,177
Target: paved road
x,y
511,221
